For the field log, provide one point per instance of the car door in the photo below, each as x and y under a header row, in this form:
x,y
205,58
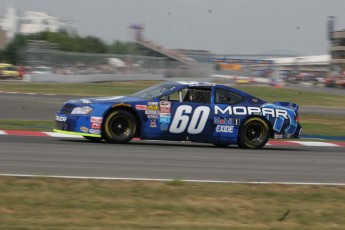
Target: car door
x,y
228,110
159,117
190,114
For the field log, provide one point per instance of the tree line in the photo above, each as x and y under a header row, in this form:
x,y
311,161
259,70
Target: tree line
x,y
63,41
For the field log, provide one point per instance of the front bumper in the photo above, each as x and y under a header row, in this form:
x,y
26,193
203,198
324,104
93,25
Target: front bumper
x,y
82,125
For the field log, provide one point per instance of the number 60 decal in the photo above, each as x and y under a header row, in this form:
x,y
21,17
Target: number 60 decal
x,y
197,120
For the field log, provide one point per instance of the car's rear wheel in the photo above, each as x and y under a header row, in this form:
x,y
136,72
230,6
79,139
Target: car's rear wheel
x,y
119,127
253,134
93,139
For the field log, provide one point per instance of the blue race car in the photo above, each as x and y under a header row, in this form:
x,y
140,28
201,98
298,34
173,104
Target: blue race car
x,y
181,111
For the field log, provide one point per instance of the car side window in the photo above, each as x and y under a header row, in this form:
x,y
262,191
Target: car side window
x,y
176,96
223,96
198,95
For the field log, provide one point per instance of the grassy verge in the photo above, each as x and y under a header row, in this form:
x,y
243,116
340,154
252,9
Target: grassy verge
x,y
270,94
42,203
303,98
45,126
323,125
85,89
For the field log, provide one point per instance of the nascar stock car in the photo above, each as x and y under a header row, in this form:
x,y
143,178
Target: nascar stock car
x,y
181,111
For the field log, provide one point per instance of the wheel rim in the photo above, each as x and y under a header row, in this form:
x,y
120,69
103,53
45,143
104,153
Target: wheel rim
x,y
255,133
120,126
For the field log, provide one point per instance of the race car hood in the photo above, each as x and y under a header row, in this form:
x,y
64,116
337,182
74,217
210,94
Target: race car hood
x,y
105,100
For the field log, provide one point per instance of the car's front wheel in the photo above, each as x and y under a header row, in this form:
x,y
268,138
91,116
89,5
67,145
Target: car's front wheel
x,y
253,134
119,127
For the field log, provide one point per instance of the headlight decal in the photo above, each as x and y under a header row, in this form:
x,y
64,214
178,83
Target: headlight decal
x,y
82,110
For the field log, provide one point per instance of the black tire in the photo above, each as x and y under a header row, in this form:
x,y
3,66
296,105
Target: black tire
x,y
93,139
119,127
253,134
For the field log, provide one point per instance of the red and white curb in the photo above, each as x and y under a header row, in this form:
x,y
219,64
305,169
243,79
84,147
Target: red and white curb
x,y
270,143
307,143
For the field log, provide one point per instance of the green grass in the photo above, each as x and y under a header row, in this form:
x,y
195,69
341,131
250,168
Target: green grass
x,y
271,94
27,125
41,203
323,125
85,89
303,98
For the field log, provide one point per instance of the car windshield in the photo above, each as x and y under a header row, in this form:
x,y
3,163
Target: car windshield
x,y
155,91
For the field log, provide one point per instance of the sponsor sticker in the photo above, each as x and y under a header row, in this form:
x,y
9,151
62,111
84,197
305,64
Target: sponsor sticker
x,y
96,119
278,136
121,104
164,110
224,129
150,112
165,104
96,125
164,126
153,116
222,121
153,123
152,107
152,103
164,119
60,118
242,110
141,107
226,121
165,114
84,129
95,131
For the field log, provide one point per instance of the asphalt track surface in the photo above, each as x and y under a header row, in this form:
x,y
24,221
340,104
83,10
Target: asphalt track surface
x,y
47,156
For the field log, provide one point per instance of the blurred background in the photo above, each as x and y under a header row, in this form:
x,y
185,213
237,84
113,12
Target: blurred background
x,y
38,46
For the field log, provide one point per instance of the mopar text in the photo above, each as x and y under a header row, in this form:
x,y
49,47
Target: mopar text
x,y
241,110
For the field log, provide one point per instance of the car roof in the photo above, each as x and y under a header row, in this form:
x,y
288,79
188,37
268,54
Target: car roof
x,y
203,84
196,83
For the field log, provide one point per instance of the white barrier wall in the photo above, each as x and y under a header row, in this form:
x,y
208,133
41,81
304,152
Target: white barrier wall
x,y
90,78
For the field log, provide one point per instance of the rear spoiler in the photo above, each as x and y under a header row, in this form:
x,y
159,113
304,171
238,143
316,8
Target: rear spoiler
x,y
289,105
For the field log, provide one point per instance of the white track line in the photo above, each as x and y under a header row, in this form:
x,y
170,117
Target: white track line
x,y
167,180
